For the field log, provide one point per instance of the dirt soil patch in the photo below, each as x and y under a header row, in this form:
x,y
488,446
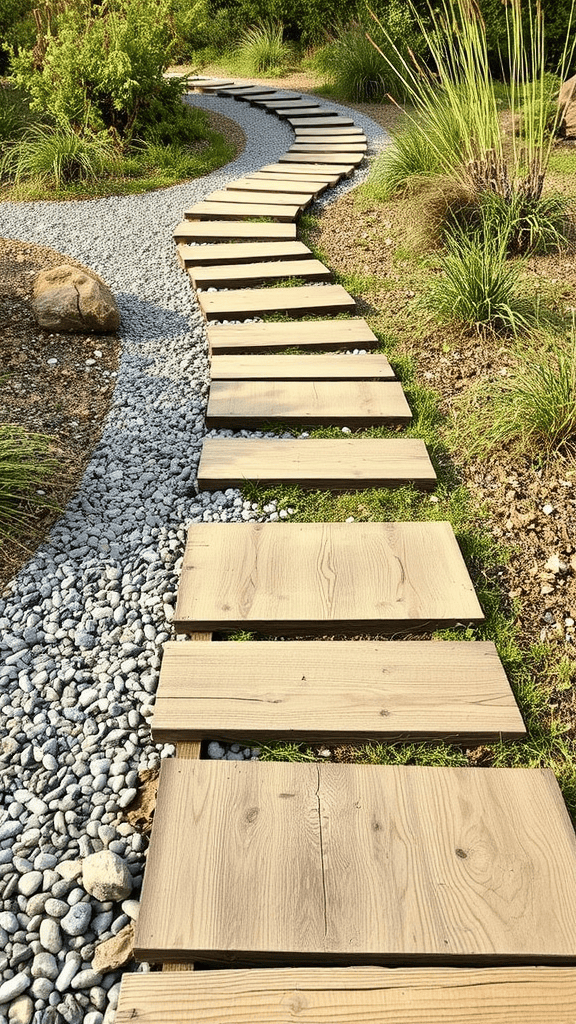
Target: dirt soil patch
x,y
66,400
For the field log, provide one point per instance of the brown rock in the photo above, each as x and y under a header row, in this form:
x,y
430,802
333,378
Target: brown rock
x,y
114,952
567,104
141,811
67,300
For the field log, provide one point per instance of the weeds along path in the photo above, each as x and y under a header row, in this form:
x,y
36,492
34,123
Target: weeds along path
x,y
82,624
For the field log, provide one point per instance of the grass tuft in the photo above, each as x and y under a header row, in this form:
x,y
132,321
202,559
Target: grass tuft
x,y
25,463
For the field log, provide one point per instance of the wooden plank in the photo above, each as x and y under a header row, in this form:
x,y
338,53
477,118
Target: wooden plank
x,y
273,184
273,337
329,130
321,122
334,465
354,141
235,211
303,578
297,367
322,158
239,404
358,864
344,170
240,252
231,275
341,464
300,199
298,301
304,110
283,175
347,147
278,95
341,995
207,231
239,92
338,692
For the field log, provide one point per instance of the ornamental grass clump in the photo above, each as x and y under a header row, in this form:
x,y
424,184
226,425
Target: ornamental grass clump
x,y
263,49
24,464
456,110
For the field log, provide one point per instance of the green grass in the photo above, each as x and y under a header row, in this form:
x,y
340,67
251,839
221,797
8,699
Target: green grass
x,y
25,464
262,50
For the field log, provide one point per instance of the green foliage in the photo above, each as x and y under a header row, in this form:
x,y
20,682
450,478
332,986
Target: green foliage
x,y
16,27
14,113
262,49
285,752
59,155
98,68
533,408
355,69
24,464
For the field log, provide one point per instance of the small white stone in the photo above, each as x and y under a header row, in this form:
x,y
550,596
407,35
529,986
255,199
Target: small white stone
x,y
548,510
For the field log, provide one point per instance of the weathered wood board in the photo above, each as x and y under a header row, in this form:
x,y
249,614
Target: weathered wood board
x,y
347,995
310,335
340,465
230,275
321,122
353,141
297,367
208,231
329,130
240,252
297,301
245,91
303,110
323,578
349,864
238,404
335,691
327,147
255,197
207,210
343,170
322,158
273,184
281,177
281,94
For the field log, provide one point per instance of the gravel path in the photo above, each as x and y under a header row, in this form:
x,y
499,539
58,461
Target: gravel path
x,y
82,625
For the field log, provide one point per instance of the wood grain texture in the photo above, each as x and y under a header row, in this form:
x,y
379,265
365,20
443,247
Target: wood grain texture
x,y
321,159
297,301
343,169
273,337
343,691
323,177
327,130
254,198
317,577
207,210
272,184
240,252
310,367
232,275
304,110
348,864
251,403
347,995
209,231
321,122
340,465
328,147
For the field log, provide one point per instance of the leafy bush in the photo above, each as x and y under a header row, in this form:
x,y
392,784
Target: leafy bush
x,y
262,49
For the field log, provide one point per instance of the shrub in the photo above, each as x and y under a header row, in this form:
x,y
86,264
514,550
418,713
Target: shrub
x,y
59,155
533,409
262,48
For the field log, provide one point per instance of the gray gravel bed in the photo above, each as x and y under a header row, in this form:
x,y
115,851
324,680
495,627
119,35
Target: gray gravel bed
x,y
82,625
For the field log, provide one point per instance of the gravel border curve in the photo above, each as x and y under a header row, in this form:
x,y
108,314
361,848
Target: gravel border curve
x,y
82,624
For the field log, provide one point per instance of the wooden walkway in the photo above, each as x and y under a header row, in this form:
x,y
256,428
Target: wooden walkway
x,y
462,879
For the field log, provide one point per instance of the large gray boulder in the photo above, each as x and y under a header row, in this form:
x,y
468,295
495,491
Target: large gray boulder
x,y
69,300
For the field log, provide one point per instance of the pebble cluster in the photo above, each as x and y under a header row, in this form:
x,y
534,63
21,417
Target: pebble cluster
x,y
82,625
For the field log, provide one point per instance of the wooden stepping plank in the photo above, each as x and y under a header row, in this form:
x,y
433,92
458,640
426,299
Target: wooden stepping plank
x,y
315,578
328,176
298,301
214,210
209,84
339,465
322,158
338,692
230,275
207,231
343,170
373,995
311,132
337,147
254,198
323,367
238,92
237,404
272,184
355,142
358,864
303,110
327,122
281,95
273,337
238,252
